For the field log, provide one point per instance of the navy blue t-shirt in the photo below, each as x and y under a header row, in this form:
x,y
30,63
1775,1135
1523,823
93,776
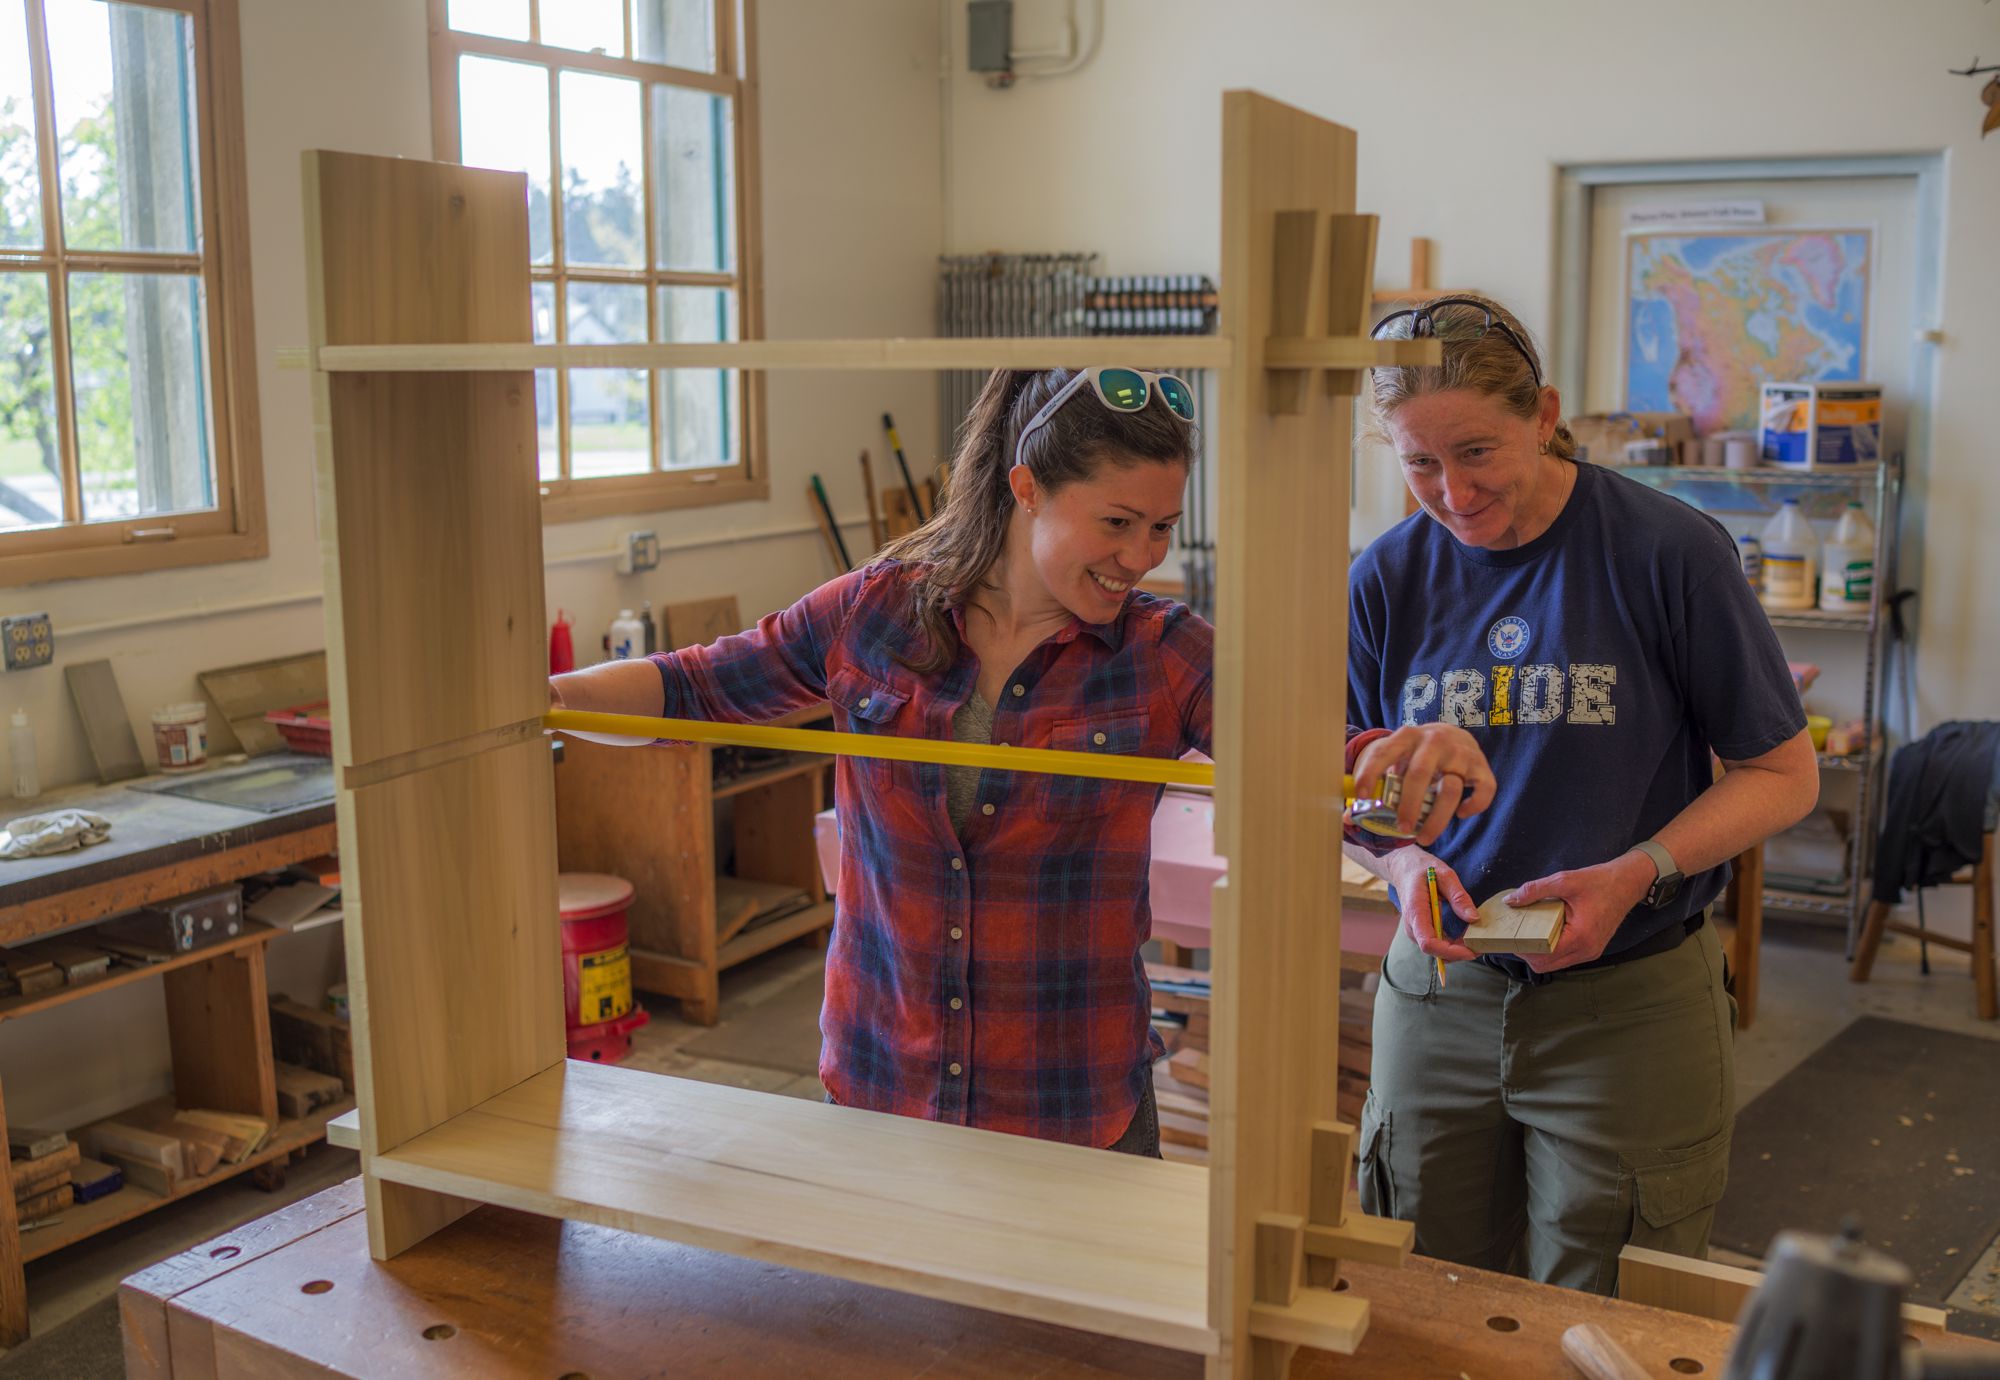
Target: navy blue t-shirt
x,y
1597,666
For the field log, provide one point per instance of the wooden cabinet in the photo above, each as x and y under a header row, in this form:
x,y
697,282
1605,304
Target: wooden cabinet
x,y
707,857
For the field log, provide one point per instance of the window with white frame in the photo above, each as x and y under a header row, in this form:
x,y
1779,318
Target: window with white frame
x,y
634,123
127,403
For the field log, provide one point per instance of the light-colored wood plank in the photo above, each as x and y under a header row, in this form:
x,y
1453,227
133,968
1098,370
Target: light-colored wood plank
x,y
13,1283
219,1031
457,988
1299,251
1028,1228
1368,1240
698,622
1284,481
1316,1318
1353,270
415,253
1020,352
1708,1289
1505,929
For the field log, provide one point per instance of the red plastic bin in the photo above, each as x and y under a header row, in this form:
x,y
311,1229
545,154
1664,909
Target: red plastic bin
x,y
304,727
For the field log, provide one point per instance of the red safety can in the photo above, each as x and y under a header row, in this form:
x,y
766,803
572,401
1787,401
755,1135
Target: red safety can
x,y
597,966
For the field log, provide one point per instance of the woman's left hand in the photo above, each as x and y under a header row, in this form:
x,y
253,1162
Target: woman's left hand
x,y
1595,899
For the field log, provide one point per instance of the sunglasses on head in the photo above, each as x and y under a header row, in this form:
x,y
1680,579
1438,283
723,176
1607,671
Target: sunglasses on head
x,y
1475,322
1121,390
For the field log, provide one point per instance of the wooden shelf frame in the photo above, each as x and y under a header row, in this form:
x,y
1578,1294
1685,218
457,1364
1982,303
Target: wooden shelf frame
x,y
425,432
13,1008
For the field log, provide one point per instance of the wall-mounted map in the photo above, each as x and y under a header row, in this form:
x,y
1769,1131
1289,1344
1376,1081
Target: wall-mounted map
x,y
1712,316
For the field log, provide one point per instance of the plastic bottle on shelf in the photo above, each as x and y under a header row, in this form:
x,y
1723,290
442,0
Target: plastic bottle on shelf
x,y
21,745
627,636
1791,554
1750,552
562,649
1847,563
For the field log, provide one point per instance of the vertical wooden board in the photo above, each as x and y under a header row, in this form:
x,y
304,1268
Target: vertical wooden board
x,y
1281,669
644,814
219,1028
774,833
13,1284
454,958
429,506
698,622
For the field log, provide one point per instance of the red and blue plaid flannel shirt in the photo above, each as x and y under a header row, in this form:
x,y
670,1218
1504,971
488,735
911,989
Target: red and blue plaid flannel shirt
x,y
994,981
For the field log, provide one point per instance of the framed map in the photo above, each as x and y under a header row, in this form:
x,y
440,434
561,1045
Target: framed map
x,y
1710,316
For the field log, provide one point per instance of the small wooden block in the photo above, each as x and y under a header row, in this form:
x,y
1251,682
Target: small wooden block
x,y
109,1139
1317,1317
1298,284
1332,1153
55,1200
1364,1240
1505,929
1280,1258
154,1178
33,1143
1190,1066
303,1091
42,1166
1350,278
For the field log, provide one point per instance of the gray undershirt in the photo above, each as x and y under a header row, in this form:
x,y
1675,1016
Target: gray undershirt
x,y
972,724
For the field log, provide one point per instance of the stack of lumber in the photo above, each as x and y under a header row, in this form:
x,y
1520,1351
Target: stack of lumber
x,y
42,1178
158,1146
1180,1081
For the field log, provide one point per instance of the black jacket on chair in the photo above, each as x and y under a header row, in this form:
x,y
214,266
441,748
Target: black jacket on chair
x,y
1939,787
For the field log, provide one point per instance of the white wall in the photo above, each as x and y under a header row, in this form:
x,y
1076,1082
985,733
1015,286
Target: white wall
x,y
850,156
1465,111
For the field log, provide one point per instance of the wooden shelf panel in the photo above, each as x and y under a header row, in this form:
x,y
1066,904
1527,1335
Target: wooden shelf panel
x,y
129,1202
1029,1228
13,1007
764,938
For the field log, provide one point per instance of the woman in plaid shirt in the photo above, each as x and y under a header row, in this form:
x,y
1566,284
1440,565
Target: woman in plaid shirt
x,y
985,967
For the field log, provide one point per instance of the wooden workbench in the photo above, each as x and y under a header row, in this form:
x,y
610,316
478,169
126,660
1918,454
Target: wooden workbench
x,y
502,1293
161,846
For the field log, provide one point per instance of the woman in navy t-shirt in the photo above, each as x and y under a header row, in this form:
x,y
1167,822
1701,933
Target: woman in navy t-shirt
x,y
1596,641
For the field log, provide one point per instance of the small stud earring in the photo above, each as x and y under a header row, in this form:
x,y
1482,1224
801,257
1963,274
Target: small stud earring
x,y
1545,448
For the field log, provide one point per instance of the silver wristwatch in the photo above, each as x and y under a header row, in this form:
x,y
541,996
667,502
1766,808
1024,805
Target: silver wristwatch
x,y
1667,885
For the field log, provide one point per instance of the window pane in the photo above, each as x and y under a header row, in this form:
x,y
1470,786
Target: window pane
x,y
503,122
610,431
139,365
500,18
698,414
550,456
30,459
20,171
680,33
603,221
693,180
585,25
124,96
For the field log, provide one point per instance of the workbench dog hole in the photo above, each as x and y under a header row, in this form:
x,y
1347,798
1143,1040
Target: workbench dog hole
x,y
225,1253
1502,1323
1686,1365
440,1332
316,1286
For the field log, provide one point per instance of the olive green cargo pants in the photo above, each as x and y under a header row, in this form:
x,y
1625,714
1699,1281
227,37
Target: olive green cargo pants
x,y
1541,1128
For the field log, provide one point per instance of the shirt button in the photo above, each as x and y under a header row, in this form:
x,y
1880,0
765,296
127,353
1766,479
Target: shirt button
x,y
985,809
864,703
956,1070
958,864
1020,690
956,1003
957,933
1097,738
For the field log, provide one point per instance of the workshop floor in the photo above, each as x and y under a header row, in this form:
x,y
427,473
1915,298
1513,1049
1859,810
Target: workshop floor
x,y
1805,1000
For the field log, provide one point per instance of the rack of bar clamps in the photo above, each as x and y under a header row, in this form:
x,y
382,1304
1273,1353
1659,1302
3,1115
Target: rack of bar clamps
x,y
991,295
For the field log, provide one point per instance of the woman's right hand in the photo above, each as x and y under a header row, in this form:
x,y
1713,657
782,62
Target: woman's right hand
x,y
1423,753
1407,872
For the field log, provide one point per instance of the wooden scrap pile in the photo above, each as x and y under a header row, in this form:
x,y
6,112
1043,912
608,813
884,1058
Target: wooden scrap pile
x,y
1180,1081
40,1164
311,1040
159,1146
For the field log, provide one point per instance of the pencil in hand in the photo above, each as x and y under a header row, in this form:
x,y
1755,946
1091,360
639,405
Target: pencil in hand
x,y
1437,919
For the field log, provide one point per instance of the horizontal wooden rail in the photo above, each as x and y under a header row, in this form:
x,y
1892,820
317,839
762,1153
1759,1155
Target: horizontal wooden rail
x,y
1349,352
1159,771
1024,352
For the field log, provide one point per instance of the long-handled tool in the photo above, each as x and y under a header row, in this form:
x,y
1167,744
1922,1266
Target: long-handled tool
x,y
829,526
876,533
896,444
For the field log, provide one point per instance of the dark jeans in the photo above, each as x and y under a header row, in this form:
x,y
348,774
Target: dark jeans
x,y
1142,1137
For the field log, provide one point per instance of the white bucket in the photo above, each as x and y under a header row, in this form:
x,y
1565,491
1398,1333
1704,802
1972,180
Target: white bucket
x,y
180,736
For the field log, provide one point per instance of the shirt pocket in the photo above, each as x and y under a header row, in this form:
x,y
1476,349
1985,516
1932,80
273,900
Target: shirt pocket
x,y
868,706
1084,797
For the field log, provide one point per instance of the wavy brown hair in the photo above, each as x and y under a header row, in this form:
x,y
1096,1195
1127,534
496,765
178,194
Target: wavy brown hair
x,y
1487,364
954,552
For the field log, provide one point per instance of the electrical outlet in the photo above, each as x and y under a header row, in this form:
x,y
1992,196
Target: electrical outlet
x,y
29,640
642,552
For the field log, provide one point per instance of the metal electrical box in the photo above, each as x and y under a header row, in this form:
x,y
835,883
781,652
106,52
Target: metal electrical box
x,y
990,29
